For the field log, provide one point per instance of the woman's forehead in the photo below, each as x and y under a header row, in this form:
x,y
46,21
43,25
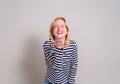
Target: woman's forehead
x,y
59,21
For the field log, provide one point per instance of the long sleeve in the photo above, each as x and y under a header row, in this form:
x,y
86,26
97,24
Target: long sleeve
x,y
73,65
53,56
49,55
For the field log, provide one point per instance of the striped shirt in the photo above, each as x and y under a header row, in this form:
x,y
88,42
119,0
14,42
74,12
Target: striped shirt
x,y
61,62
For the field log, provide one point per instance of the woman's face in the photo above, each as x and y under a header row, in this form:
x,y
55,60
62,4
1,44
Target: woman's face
x,y
59,30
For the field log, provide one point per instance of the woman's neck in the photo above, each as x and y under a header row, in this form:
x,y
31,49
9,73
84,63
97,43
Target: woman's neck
x,y
62,40
59,42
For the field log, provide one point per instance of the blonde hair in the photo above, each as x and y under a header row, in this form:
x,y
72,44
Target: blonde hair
x,y
67,38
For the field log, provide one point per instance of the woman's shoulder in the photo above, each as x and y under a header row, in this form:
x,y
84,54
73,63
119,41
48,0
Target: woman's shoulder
x,y
73,43
47,42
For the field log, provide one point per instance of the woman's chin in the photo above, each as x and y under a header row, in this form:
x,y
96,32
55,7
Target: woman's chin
x,y
59,37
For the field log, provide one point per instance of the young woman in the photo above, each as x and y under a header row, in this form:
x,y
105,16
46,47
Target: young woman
x,y
61,54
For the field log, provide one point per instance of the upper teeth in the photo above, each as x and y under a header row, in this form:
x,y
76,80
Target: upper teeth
x,y
59,32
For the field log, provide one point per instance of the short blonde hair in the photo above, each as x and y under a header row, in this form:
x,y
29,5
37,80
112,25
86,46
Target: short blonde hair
x,y
52,37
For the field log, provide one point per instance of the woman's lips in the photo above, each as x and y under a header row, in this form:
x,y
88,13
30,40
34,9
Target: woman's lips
x,y
59,32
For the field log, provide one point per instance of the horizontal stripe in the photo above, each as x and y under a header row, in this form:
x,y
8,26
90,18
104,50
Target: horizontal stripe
x,y
61,62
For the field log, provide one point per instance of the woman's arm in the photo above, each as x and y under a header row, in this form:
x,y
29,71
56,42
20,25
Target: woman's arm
x,y
74,64
52,55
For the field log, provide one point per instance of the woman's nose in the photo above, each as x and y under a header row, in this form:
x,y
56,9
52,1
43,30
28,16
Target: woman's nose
x,y
59,27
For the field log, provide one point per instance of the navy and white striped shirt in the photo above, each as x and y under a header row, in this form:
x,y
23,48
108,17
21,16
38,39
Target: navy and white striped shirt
x,y
61,62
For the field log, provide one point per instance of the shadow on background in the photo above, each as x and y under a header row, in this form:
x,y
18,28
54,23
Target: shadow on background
x,y
33,63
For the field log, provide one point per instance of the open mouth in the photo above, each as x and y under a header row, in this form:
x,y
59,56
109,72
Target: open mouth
x,y
59,32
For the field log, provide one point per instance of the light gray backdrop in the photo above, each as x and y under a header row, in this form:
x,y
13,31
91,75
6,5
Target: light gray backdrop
x,y
94,25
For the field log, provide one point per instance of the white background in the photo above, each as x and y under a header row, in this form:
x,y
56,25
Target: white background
x,y
94,25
